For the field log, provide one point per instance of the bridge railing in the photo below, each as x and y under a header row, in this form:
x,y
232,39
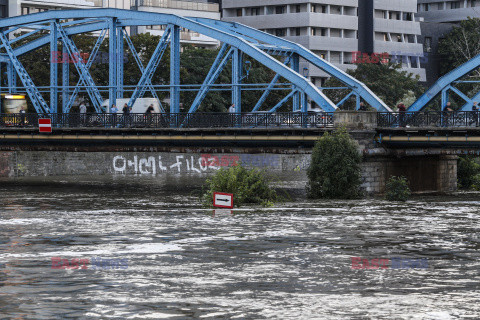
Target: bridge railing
x,y
170,120
429,119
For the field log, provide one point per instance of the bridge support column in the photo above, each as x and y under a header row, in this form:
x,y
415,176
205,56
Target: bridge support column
x,y
65,81
426,174
236,80
175,70
112,66
54,68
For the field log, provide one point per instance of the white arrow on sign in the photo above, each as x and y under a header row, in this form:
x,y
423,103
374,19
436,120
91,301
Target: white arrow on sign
x,y
222,200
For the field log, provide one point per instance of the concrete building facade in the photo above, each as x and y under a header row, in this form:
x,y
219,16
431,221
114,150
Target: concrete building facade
x,y
336,29
437,18
198,8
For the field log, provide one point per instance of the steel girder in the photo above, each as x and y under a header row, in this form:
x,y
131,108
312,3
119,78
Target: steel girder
x,y
242,40
445,84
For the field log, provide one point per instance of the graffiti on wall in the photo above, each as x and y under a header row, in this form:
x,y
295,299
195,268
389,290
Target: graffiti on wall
x,y
153,165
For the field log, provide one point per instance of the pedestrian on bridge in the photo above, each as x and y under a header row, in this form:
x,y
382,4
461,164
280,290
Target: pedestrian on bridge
x,y
475,113
126,115
401,114
447,114
231,109
83,113
114,111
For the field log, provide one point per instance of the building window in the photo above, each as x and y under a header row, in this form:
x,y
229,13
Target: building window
x,y
324,32
455,5
313,8
239,12
280,32
255,11
298,8
313,31
280,9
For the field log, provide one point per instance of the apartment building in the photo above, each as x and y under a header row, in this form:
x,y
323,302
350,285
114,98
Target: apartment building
x,y
337,29
198,8
437,18
448,11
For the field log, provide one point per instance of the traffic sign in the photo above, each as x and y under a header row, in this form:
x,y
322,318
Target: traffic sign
x,y
45,125
223,200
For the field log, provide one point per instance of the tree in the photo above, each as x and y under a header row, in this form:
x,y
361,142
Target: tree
x,y
386,80
334,172
195,65
460,45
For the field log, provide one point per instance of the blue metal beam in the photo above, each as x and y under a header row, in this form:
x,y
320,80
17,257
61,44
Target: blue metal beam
x,y
65,81
85,76
306,54
147,74
443,83
175,69
142,69
283,101
269,88
91,58
236,80
119,62
112,70
37,100
217,67
53,68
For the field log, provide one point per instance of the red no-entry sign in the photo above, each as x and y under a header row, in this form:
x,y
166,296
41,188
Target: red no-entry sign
x,y
223,200
45,125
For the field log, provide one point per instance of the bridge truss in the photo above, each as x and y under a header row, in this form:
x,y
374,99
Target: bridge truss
x,y
56,28
448,84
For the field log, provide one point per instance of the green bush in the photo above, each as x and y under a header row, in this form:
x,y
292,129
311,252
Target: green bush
x,y
246,185
467,169
334,172
397,189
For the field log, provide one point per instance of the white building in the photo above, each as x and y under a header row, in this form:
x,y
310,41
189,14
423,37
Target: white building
x,y
337,29
197,8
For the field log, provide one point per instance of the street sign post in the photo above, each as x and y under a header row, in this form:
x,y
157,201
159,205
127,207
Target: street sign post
x,y
45,125
223,200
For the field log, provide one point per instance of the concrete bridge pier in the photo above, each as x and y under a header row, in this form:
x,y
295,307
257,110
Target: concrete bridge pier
x,y
427,170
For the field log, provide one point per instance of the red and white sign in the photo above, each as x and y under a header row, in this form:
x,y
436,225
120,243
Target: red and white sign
x,y
223,200
45,125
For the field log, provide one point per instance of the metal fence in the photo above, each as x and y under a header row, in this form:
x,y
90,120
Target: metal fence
x,y
170,120
429,119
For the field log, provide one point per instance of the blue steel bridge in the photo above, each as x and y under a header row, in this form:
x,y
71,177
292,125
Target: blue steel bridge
x,y
238,45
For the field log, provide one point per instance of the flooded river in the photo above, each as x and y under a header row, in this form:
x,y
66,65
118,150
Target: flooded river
x,y
143,252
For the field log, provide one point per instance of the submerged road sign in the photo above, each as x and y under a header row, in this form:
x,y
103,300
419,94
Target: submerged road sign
x,y
45,125
223,200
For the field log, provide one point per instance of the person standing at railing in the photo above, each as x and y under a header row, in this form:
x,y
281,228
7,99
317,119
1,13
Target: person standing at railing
x,y
231,109
447,114
401,114
362,107
148,115
475,113
83,113
126,115
114,111
22,116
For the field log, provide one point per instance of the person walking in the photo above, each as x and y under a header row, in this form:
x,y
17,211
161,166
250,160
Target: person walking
x,y
114,111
